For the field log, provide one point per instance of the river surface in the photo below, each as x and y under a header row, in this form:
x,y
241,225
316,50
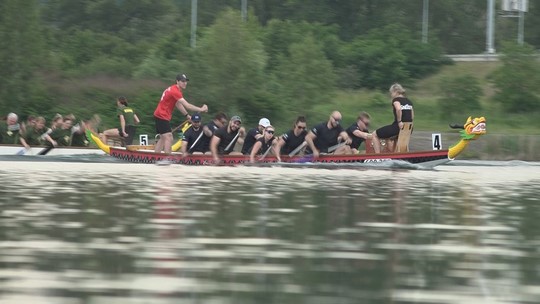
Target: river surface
x,y
109,232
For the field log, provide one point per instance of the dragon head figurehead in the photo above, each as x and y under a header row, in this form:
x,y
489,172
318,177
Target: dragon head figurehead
x,y
473,128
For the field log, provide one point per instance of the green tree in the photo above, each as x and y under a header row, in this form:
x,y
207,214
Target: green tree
x,y
516,81
460,94
21,53
385,55
278,36
306,76
231,66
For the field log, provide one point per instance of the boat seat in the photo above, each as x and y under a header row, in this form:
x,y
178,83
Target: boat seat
x,y
404,136
369,145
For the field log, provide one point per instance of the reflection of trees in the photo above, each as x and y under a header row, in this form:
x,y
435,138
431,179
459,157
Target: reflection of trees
x,y
269,241
78,214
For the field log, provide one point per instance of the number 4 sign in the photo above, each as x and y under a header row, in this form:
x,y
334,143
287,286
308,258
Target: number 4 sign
x,y
436,141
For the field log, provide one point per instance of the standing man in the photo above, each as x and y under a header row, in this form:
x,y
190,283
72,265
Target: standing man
x,y
358,131
226,138
172,97
328,134
253,135
192,139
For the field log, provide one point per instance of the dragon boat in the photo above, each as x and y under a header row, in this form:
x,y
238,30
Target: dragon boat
x,y
471,130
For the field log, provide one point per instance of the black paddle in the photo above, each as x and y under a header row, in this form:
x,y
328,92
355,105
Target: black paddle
x,y
46,150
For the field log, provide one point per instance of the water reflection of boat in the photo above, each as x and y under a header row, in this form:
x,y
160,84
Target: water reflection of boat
x,y
472,129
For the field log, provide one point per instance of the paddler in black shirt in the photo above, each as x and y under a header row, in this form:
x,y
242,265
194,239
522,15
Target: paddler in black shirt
x,y
219,121
226,138
328,134
264,144
358,131
192,138
291,140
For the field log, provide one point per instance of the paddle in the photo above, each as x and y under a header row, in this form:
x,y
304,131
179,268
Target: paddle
x,y
173,130
232,142
456,126
331,149
300,147
45,150
22,151
180,126
335,147
266,152
196,141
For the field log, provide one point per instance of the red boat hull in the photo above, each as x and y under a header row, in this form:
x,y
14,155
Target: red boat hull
x,y
145,156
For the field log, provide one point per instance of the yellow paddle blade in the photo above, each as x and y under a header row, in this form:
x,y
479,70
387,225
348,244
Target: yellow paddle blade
x,y
95,138
178,144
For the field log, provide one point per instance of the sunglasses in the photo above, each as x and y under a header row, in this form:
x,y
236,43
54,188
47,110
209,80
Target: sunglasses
x,y
301,128
270,131
336,120
237,123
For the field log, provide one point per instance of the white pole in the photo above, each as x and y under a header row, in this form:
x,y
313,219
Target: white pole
x,y
490,27
521,26
425,18
193,39
244,10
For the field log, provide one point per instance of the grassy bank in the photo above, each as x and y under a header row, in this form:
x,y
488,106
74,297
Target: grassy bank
x,y
425,97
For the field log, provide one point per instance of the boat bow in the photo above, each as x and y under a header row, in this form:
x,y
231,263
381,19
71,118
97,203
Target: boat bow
x,y
472,129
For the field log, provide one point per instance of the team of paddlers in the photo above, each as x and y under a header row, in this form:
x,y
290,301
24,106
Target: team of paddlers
x,y
221,135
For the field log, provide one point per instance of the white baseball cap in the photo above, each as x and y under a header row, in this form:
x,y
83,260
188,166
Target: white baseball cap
x,y
264,122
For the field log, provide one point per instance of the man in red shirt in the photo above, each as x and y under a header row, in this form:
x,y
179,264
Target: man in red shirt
x,y
172,97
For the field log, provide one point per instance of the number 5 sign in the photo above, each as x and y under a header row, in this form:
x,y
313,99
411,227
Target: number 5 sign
x,y
143,140
436,141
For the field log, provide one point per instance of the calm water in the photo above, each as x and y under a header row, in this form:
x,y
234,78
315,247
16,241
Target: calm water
x,y
124,233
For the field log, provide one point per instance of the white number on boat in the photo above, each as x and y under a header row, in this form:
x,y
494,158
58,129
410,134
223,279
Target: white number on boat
x,y
377,160
436,141
143,140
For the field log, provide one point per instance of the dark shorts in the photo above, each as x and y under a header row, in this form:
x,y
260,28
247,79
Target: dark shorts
x,y
130,130
162,126
388,131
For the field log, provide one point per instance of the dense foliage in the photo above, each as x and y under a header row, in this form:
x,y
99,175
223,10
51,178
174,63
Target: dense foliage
x,y
516,81
460,94
287,58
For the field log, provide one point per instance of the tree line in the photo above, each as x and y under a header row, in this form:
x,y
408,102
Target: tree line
x,y
290,55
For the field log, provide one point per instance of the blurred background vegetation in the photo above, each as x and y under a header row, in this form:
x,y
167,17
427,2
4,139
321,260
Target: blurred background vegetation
x,y
289,58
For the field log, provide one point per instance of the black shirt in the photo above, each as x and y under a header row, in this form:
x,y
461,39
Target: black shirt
x,y
265,145
205,140
292,141
406,109
356,141
250,140
326,137
226,139
191,136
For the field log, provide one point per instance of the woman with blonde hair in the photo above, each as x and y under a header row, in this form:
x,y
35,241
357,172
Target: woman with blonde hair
x,y
264,144
403,112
